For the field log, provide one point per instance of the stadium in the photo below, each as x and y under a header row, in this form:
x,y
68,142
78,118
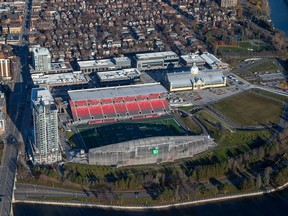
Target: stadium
x,y
131,125
111,104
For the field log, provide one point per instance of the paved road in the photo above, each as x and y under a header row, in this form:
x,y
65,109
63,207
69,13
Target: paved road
x,y
14,123
24,191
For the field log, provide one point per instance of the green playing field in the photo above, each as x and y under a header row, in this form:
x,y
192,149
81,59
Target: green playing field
x,y
105,134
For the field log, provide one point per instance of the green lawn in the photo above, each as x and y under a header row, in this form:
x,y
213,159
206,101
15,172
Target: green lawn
x,y
192,125
251,109
105,134
243,46
267,65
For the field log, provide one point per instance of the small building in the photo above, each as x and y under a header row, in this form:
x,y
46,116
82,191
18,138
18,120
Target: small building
x,y
157,60
213,62
41,59
118,77
194,79
190,59
5,67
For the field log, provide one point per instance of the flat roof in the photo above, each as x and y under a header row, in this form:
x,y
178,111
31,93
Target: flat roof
x,y
41,95
60,65
190,58
95,63
40,51
60,78
155,55
118,91
124,74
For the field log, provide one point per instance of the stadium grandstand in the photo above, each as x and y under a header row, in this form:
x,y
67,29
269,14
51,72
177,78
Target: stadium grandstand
x,y
111,104
150,150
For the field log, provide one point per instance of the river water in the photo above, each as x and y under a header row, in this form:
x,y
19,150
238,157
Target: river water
x,y
279,14
275,204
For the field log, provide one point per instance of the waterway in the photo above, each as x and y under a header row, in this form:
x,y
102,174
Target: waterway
x,y
279,14
275,204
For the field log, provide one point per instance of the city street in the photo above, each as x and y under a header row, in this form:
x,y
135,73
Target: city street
x,y
15,118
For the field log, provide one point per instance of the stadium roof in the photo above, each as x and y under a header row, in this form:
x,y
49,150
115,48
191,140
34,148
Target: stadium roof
x,y
118,91
151,141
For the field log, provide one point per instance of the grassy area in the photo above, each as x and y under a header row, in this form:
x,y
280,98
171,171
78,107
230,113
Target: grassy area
x,y
230,143
243,46
270,94
186,108
251,109
267,65
192,125
234,144
101,135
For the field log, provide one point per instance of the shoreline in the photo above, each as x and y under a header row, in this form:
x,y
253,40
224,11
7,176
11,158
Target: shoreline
x,y
167,206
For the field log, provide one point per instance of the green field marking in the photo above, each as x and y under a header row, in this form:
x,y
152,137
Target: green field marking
x,y
105,134
251,109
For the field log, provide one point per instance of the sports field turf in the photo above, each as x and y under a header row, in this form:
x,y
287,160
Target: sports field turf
x,y
105,134
251,109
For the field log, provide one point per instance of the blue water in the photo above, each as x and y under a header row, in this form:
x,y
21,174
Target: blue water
x,y
279,14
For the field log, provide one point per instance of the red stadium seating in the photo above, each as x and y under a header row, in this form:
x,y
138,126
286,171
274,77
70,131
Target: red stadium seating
x,y
153,96
145,106
83,112
106,101
74,113
158,105
142,97
121,109
96,112
119,100
112,109
80,103
133,108
93,102
129,98
108,110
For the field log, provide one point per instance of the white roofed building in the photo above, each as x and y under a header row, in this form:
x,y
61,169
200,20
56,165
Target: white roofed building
x,y
194,79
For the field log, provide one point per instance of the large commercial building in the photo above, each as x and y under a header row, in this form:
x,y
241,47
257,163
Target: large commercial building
x,y
150,150
111,104
194,79
158,60
59,79
5,67
41,59
228,3
46,143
